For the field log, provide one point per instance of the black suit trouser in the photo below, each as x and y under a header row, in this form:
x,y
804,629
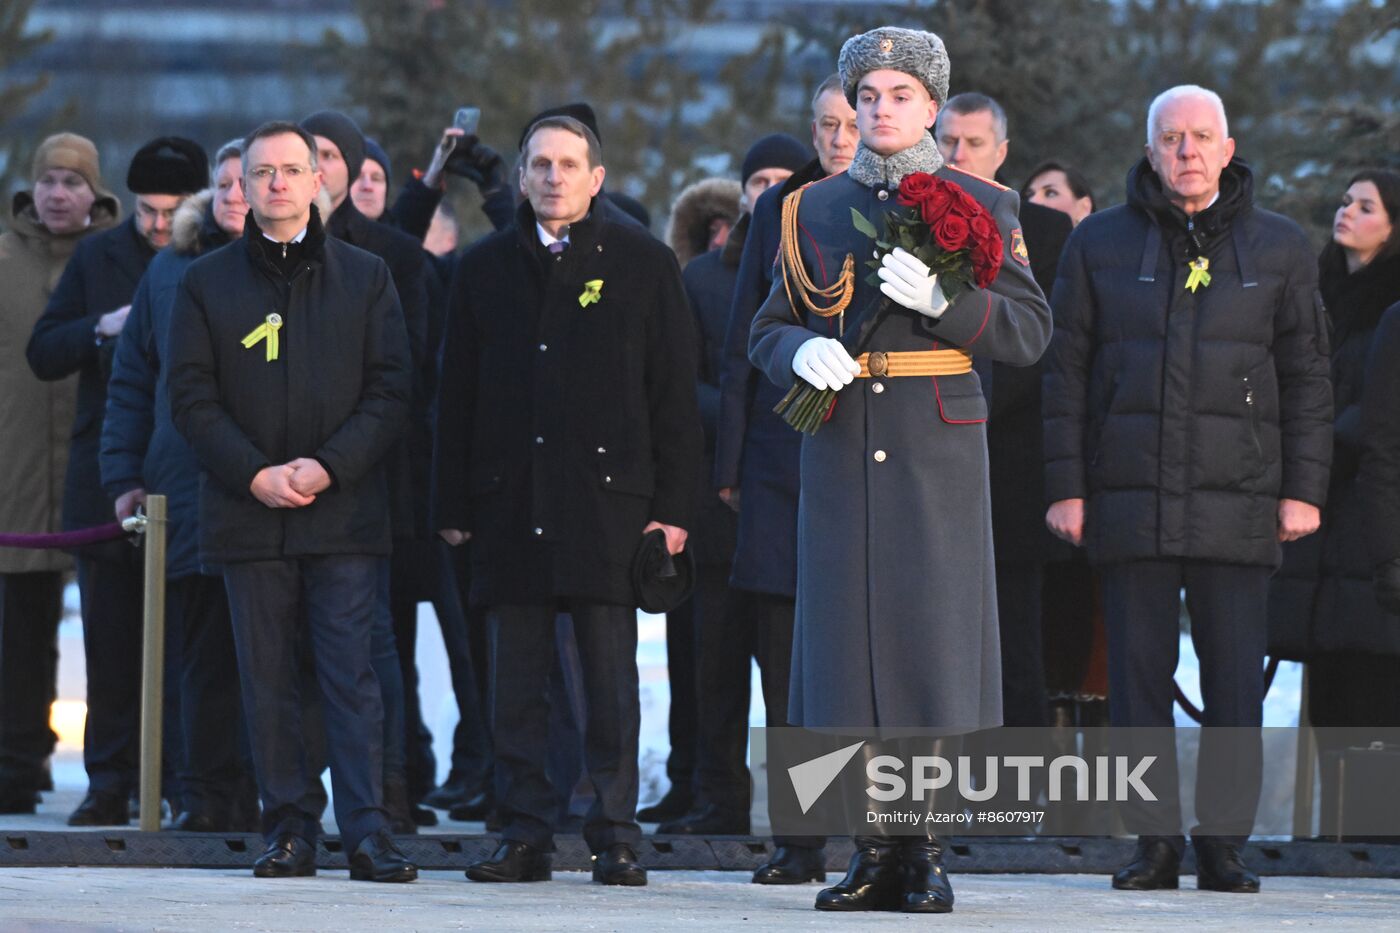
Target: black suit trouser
x,y
754,627
334,599
522,656
1228,609
211,712
111,588
31,607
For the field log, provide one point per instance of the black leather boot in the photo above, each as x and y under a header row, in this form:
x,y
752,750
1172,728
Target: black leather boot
x,y
792,865
926,886
1219,867
1155,866
873,880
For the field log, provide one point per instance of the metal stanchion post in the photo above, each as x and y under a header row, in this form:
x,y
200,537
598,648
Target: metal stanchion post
x,y
153,663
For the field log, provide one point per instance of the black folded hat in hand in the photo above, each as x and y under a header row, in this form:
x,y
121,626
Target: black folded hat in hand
x,y
661,581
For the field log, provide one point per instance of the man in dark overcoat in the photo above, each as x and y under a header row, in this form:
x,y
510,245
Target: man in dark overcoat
x,y
756,467
290,376
568,427
972,135
896,595
1188,431
78,334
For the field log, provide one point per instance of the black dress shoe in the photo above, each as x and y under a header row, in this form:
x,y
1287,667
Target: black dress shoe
x,y
17,798
192,821
1155,866
451,792
873,881
289,856
618,865
926,886
709,820
673,806
1219,867
475,810
100,809
792,865
513,861
376,858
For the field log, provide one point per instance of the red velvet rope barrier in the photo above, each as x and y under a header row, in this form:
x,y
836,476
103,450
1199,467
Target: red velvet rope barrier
x,y
64,539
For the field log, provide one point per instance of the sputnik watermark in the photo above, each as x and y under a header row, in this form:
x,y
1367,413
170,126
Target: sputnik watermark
x,y
1115,778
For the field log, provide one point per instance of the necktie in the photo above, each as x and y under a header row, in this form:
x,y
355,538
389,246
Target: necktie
x,y
558,247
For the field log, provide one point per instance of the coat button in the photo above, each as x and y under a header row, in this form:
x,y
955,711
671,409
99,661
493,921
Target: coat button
x,y
879,456
543,347
602,450
607,479
539,531
539,440
882,194
877,388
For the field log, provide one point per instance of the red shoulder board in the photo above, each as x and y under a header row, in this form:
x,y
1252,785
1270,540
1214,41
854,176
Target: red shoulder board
x,y
986,181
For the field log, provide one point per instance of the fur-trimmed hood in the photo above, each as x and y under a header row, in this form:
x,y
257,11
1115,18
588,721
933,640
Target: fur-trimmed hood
x,y
193,219
688,232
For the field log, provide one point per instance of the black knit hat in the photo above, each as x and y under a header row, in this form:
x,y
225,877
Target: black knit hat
x,y
344,132
579,111
660,581
168,165
776,151
376,152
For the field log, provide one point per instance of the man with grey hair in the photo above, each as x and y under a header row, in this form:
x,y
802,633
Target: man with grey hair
x,y
1188,421
568,431
896,623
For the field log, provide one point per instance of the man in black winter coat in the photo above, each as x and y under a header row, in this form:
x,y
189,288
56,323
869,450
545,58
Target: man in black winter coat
x,y
1188,431
78,333
972,135
567,428
290,376
756,467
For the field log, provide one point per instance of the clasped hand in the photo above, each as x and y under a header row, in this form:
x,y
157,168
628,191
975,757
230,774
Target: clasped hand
x,y
291,485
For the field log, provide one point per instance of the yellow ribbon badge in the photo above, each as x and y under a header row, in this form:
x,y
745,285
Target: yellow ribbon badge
x,y
1199,276
267,330
592,292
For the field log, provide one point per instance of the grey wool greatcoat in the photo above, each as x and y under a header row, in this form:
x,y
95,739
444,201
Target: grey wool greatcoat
x,y
896,596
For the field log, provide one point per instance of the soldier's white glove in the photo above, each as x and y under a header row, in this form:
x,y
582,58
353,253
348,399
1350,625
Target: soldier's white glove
x,y
825,363
905,279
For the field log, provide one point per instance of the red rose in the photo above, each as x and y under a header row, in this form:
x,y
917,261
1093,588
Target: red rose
x,y
915,187
984,228
935,207
952,232
986,259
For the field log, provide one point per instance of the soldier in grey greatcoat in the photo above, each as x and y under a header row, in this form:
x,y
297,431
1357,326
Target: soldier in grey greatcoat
x,y
896,605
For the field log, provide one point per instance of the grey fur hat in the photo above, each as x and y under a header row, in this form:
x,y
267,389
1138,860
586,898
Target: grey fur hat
x,y
919,54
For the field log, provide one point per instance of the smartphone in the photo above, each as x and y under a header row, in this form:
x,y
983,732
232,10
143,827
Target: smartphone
x,y
467,119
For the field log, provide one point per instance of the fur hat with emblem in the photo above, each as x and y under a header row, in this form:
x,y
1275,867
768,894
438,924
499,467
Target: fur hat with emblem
x,y
918,54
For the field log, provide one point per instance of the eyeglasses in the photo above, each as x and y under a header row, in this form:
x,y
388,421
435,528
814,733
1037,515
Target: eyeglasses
x,y
265,173
152,213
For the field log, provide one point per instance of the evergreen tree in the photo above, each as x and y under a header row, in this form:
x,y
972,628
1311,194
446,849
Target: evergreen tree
x,y
15,94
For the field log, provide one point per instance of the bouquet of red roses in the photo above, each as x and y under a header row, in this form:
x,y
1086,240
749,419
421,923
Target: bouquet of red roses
x,y
948,231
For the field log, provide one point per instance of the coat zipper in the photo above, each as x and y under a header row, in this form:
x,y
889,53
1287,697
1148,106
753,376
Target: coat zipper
x,y
1253,418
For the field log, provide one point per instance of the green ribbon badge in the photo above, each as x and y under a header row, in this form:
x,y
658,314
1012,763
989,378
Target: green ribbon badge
x,y
1199,276
592,292
267,331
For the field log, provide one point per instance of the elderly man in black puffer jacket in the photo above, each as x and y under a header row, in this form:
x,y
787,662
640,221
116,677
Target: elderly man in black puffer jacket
x,y
1187,433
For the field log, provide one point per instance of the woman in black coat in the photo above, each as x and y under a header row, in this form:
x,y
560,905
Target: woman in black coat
x,y
1323,607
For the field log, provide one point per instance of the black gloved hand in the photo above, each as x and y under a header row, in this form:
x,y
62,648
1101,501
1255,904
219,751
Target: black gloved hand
x,y
480,164
1388,585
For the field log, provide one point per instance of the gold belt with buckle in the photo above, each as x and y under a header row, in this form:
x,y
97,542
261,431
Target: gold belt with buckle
x,y
915,363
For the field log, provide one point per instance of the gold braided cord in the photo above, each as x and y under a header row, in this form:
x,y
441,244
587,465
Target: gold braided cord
x,y
840,292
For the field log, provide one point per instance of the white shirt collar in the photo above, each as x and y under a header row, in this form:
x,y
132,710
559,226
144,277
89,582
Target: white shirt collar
x,y
296,239
548,239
